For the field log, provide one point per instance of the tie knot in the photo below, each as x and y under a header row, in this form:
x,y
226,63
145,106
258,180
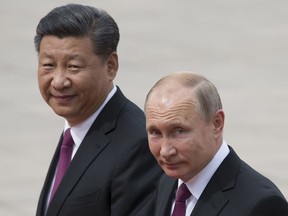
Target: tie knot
x,y
67,140
183,193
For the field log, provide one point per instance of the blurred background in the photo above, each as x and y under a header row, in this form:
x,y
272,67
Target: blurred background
x,y
241,46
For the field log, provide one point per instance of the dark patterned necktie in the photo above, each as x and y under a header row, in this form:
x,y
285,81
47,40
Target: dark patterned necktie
x,y
180,206
64,160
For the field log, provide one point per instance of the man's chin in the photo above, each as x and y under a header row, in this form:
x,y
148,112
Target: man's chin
x,y
62,112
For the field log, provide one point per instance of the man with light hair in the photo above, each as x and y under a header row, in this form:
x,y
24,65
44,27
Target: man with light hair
x,y
204,175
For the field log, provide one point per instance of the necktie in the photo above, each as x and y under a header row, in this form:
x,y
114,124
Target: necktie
x,y
64,160
182,194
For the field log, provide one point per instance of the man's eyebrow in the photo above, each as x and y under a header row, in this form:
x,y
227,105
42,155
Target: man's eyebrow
x,y
73,56
151,127
68,57
45,54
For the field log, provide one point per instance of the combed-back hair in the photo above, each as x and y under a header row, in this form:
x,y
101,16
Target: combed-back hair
x,y
80,21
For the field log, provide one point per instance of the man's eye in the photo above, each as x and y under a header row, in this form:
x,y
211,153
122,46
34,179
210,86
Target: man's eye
x,y
47,66
73,66
154,132
179,131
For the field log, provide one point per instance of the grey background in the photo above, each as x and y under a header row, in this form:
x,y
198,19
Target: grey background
x,y
241,46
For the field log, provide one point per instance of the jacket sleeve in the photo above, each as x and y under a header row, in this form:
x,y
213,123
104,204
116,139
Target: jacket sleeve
x,y
270,206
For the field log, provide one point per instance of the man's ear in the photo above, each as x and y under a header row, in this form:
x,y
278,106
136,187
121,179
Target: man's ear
x,y
112,65
218,122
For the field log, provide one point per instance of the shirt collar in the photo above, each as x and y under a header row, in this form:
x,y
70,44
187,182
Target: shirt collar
x,y
79,131
197,184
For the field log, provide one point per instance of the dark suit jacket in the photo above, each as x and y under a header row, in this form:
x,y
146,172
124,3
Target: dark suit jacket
x,y
234,190
113,171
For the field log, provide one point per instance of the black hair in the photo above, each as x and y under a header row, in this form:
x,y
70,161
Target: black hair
x,y
80,21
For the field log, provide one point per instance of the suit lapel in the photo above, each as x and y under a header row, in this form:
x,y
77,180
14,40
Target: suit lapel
x,y
91,146
49,177
213,198
94,142
165,196
211,202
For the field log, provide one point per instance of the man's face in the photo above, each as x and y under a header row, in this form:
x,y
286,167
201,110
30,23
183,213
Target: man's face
x,y
72,79
180,140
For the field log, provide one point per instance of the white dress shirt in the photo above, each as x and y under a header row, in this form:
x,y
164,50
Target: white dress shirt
x,y
197,184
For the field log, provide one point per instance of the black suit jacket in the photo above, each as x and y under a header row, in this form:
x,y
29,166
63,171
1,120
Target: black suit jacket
x,y
234,190
113,171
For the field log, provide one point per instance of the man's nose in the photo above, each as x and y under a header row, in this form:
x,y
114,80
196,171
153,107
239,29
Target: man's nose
x,y
60,79
167,148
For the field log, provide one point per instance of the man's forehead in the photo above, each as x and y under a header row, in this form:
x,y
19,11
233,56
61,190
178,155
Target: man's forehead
x,y
168,95
170,105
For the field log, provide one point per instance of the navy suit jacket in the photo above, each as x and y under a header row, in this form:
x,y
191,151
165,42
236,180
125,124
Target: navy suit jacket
x,y
113,171
235,189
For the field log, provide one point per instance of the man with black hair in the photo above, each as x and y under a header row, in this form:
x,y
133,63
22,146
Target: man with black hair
x,y
102,165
